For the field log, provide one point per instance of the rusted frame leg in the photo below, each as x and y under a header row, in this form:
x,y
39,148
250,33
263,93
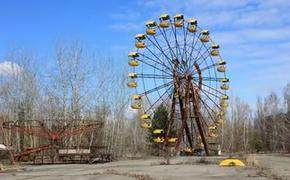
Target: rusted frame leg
x,y
197,118
184,107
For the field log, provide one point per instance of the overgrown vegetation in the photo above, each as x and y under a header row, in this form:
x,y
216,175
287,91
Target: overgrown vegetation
x,y
159,121
83,86
79,86
266,129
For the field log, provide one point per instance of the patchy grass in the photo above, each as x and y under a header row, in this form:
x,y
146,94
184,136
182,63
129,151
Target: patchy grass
x,y
203,160
114,172
266,173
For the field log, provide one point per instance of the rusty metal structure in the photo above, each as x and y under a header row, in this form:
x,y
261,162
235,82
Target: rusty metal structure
x,y
56,132
52,136
176,64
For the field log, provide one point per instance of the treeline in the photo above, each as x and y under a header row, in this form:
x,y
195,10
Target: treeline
x,y
264,129
76,86
80,85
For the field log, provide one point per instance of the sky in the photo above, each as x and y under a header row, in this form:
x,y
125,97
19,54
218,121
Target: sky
x,y
254,35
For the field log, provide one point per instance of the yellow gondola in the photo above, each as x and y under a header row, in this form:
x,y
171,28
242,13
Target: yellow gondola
x,y
146,125
164,23
220,118
145,116
140,44
133,54
164,17
221,62
151,28
212,135
224,80
136,105
212,127
200,145
220,113
225,87
139,41
151,31
204,36
192,25
224,104
172,140
158,131
136,97
158,140
133,62
220,121
132,75
224,97
140,37
221,69
178,20
187,150
132,84
215,50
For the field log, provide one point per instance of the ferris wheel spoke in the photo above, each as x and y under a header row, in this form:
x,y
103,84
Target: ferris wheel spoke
x,y
203,123
203,101
213,89
211,93
157,88
205,68
157,45
160,98
194,41
154,67
157,62
167,42
204,58
208,79
207,53
208,109
176,42
206,93
154,76
194,60
185,42
176,45
208,97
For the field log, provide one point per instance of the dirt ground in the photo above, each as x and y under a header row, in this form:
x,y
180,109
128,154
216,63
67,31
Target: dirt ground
x,y
183,168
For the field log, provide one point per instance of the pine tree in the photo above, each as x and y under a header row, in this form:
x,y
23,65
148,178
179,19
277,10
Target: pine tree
x,y
159,121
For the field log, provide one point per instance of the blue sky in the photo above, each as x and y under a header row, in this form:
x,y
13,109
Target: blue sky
x,y
254,35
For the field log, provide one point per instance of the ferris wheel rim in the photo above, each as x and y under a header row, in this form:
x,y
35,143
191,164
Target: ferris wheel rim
x,y
162,65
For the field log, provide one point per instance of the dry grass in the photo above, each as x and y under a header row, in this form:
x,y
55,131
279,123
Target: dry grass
x,y
266,173
114,172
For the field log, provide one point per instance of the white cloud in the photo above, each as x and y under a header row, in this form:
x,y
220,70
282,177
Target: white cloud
x,y
8,68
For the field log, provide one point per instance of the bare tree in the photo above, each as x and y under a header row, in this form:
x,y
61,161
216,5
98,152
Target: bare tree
x,y
19,94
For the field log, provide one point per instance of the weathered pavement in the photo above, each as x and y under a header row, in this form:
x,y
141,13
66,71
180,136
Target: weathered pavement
x,y
145,169
278,165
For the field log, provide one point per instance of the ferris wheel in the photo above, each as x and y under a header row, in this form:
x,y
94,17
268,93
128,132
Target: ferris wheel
x,y
176,64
